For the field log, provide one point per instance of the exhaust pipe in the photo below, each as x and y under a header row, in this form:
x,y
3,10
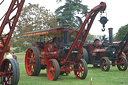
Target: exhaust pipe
x,y
110,36
66,37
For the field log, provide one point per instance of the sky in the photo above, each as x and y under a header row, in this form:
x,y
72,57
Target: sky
x,y
116,12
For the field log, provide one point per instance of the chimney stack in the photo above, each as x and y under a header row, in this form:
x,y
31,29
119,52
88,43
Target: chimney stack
x,y
110,36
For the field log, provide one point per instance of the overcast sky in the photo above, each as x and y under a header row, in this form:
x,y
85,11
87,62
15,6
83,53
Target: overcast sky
x,y
116,12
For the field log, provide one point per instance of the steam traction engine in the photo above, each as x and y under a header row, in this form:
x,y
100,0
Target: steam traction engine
x,y
101,53
60,55
9,69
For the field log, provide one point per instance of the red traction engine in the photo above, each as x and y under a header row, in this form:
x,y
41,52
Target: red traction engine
x,y
57,53
101,53
50,51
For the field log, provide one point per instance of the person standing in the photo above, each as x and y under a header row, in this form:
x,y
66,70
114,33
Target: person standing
x,y
8,55
14,56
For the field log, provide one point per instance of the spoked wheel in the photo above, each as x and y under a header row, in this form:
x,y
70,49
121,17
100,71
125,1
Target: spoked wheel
x,y
53,70
81,69
122,64
10,71
104,64
32,61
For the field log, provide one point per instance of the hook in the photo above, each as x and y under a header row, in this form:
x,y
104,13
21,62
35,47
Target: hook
x,y
103,29
103,20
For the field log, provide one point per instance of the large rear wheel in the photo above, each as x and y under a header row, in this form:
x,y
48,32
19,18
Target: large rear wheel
x,y
32,61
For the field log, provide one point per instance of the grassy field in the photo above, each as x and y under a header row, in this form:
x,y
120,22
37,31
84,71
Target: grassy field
x,y
113,77
20,57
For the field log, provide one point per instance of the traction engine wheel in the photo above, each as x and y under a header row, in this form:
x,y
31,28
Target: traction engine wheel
x,y
81,69
11,72
85,54
32,61
122,64
53,69
104,64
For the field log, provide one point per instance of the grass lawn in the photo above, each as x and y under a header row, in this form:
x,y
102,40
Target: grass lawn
x,y
113,77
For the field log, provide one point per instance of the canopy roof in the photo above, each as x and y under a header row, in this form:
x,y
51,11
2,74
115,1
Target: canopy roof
x,y
51,32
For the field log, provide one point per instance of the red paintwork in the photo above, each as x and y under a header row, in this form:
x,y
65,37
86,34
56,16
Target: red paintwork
x,y
2,46
99,52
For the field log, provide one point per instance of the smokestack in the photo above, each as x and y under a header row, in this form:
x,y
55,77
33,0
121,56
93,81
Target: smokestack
x,y
66,37
110,36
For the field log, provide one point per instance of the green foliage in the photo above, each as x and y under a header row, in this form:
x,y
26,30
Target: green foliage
x,y
17,50
32,18
66,14
121,32
90,37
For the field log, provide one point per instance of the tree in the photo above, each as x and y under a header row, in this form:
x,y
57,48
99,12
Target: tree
x,y
32,18
121,32
90,38
65,14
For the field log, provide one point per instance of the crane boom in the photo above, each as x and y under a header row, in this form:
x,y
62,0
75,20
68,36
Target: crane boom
x,y
10,20
88,21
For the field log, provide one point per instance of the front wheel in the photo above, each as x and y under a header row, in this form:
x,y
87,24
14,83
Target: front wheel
x,y
32,61
122,64
104,64
53,69
81,69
